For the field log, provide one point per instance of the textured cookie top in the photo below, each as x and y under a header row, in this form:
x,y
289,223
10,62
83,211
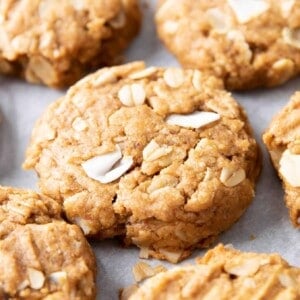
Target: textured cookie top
x,y
55,42
283,142
226,274
247,43
157,150
41,256
20,207
49,261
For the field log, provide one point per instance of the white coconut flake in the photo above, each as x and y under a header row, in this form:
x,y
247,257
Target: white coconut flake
x,y
122,167
196,119
107,167
286,7
100,165
36,278
245,10
290,168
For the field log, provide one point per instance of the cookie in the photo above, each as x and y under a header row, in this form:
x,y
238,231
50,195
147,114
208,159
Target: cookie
x,y
282,139
225,273
41,256
21,207
164,158
56,42
248,44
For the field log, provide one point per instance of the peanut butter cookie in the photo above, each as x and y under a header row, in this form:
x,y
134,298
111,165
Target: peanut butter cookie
x,y
226,274
56,42
163,157
21,207
249,44
283,142
41,256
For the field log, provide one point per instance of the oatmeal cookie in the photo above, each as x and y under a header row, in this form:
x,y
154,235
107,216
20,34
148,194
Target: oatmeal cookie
x,y
249,44
21,207
56,42
282,139
163,157
226,274
41,256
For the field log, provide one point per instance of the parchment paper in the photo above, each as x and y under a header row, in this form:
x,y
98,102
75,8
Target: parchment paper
x,y
265,227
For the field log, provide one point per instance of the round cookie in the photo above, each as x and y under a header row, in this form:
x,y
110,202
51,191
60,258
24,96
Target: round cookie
x,y
57,42
163,157
282,139
248,44
41,256
226,274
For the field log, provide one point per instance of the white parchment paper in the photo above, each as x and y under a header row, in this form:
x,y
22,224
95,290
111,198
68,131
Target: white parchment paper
x,y
265,227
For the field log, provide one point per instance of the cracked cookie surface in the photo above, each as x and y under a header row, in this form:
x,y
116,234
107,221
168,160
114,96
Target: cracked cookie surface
x,y
248,44
41,256
57,42
225,273
282,139
163,157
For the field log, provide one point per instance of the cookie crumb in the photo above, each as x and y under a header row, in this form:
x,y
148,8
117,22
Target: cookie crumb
x,y
142,271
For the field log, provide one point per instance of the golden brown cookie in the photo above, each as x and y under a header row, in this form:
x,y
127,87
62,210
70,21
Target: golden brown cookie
x,y
226,274
57,42
41,256
21,207
248,44
282,139
163,157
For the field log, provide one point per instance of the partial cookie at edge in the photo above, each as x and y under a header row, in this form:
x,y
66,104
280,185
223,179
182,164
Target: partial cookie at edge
x,y
225,273
248,44
41,256
282,139
21,207
57,42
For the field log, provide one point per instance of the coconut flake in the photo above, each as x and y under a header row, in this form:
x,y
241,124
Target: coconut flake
x,y
245,10
196,119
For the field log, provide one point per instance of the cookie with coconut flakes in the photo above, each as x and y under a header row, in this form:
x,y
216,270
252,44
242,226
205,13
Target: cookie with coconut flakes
x,y
225,273
282,139
248,44
163,157
41,256
57,42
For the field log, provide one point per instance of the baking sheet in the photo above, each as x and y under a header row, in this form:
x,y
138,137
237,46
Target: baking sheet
x,y
265,227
